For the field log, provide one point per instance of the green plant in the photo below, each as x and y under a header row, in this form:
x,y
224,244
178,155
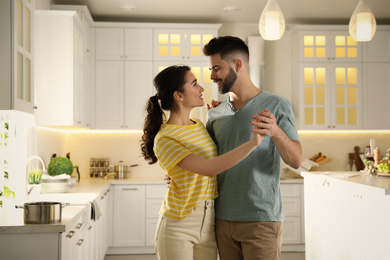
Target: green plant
x,y
34,176
60,165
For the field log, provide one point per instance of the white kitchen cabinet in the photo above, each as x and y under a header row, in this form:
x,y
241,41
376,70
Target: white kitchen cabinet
x,y
155,195
376,109
344,219
328,46
17,55
122,89
331,96
293,225
378,49
135,215
129,216
62,69
124,77
328,78
124,43
182,44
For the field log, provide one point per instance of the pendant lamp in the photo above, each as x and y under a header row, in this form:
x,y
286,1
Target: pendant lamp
x,y
362,25
271,23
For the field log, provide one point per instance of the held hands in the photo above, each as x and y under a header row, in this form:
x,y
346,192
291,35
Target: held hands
x,y
265,124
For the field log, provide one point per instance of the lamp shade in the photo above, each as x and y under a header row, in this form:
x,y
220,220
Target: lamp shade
x,y
271,23
362,25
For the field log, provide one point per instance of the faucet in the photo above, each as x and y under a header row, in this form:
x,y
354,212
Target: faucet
x,y
109,174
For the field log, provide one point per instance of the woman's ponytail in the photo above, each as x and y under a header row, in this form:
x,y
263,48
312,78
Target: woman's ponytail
x,y
153,121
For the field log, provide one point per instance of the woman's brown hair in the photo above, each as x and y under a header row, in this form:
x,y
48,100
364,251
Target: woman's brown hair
x,y
166,83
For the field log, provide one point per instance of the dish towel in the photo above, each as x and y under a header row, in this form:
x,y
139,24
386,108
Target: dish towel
x,y
95,211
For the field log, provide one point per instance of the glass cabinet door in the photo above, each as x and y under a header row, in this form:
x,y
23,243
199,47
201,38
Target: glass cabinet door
x,y
169,45
23,86
315,93
346,96
324,46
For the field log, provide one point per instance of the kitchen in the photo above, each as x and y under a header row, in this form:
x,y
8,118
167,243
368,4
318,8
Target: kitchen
x,y
279,60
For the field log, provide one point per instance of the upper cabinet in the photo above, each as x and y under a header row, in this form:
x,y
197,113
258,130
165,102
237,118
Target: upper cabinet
x,y
378,49
341,84
127,58
328,46
124,44
328,75
63,67
124,75
17,55
176,44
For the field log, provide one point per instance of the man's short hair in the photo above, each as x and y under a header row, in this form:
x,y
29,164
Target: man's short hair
x,y
228,47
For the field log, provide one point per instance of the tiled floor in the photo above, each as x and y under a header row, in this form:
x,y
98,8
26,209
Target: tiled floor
x,y
285,256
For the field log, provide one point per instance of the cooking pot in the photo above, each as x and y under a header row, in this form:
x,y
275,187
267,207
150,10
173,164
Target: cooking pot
x,y
42,212
121,170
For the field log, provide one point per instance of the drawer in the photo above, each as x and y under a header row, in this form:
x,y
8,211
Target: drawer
x,y
290,190
291,207
156,191
153,207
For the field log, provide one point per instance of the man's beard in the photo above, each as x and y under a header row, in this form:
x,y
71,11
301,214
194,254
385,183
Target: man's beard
x,y
228,83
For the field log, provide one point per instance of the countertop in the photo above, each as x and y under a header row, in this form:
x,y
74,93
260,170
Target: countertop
x,y
380,182
11,221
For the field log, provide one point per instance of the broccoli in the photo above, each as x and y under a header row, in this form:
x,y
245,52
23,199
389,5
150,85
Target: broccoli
x,y
60,165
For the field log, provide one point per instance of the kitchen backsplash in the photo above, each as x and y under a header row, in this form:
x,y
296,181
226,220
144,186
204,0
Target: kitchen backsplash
x,y
124,146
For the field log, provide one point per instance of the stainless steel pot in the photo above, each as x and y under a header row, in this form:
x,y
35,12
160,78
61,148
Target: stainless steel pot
x,y
42,212
122,170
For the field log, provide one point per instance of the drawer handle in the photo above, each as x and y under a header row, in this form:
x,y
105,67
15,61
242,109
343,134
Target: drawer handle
x,y
90,227
79,225
129,189
102,197
80,242
71,234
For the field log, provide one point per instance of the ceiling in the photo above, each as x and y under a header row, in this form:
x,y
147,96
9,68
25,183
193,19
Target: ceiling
x,y
211,11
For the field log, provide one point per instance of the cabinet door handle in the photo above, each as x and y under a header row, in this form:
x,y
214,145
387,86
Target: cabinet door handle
x,y
129,189
71,234
90,227
80,242
79,225
102,197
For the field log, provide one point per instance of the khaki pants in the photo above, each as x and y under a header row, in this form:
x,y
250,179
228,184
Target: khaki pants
x,y
192,238
238,240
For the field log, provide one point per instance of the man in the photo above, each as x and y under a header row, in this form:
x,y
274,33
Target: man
x,y
249,207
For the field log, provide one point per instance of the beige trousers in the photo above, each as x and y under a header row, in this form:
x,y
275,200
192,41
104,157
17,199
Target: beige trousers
x,y
238,240
192,238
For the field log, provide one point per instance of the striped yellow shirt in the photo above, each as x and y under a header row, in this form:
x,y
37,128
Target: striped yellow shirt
x,y
172,144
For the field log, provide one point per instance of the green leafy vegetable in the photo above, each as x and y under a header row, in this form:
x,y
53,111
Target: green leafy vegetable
x,y
384,167
34,176
60,165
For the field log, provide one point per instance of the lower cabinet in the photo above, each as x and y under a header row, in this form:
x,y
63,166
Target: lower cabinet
x,y
135,215
293,226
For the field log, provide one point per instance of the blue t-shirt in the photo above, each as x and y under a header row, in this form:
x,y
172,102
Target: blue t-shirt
x,y
250,190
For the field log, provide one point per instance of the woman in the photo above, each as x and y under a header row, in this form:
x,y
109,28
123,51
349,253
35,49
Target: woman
x,y
187,153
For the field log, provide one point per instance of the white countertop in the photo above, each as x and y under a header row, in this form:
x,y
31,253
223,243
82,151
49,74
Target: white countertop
x,y
374,181
11,221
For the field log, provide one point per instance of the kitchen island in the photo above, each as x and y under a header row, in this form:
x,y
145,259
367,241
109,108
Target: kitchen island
x,y
347,216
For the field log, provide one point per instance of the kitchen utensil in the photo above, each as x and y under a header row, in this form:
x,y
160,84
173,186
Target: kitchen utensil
x,y
43,212
121,170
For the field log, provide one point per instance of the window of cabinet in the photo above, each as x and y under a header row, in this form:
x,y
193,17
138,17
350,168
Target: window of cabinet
x,y
17,55
181,45
325,46
331,96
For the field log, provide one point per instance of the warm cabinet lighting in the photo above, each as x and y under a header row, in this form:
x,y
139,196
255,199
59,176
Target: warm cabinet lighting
x,y
362,25
271,23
